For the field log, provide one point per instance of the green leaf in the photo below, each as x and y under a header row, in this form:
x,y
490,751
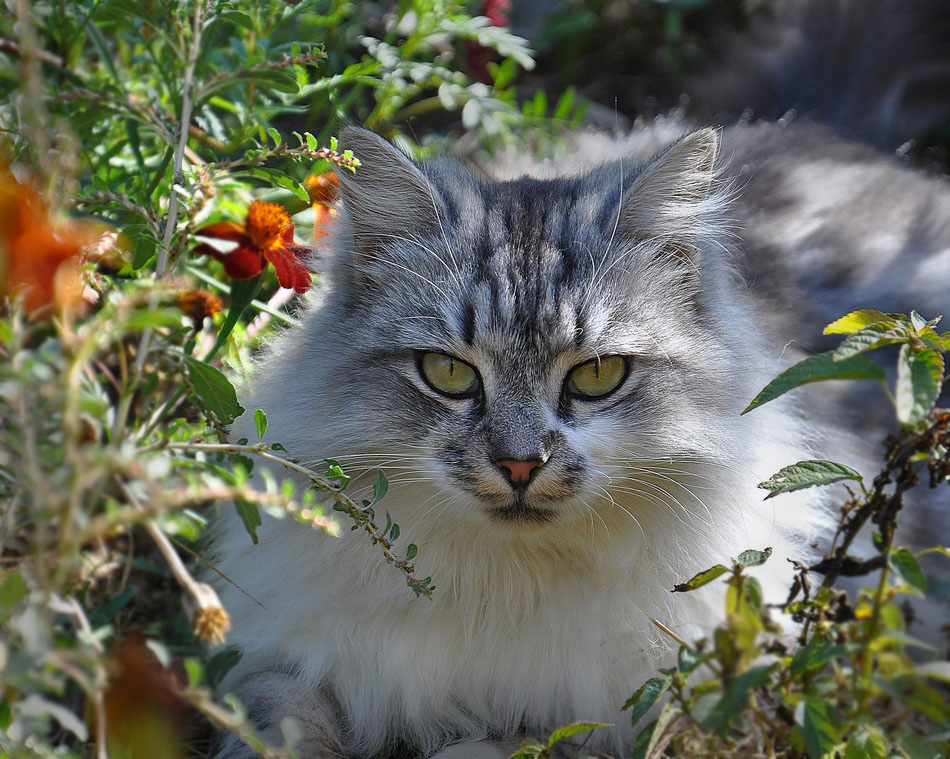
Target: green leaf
x,y
817,655
380,486
703,578
867,743
753,558
13,589
411,551
646,741
530,748
819,368
688,659
807,474
220,664
939,670
819,727
869,338
919,376
250,515
645,697
107,612
260,421
856,321
575,728
735,697
905,564
243,291
214,390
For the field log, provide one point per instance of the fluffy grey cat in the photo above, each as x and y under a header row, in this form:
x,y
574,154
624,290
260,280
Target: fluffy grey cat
x,y
550,365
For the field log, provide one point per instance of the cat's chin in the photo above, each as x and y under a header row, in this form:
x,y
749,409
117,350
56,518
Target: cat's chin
x,y
521,515
519,511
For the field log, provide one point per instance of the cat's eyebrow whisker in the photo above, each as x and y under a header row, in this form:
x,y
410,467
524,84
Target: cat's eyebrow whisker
x,y
390,262
415,241
448,248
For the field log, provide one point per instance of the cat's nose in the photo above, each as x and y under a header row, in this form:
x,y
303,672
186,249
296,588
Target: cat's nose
x,y
520,472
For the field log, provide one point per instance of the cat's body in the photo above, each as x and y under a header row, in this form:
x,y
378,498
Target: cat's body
x,y
545,594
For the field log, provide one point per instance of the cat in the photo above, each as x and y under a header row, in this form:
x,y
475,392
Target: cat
x,y
550,364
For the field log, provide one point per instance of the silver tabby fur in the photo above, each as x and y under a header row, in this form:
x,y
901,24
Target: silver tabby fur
x,y
544,600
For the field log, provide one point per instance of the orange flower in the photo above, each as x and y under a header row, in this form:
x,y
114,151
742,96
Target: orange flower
x,y
267,236
322,189
37,256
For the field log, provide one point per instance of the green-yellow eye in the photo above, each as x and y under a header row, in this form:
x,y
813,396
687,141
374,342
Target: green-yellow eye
x,y
447,374
598,377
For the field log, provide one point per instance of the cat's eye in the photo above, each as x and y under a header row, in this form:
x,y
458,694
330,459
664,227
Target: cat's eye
x,y
448,375
597,378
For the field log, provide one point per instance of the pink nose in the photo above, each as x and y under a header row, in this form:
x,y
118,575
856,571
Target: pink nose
x,y
519,472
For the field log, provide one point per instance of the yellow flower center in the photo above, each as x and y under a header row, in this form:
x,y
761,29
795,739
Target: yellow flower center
x,y
265,224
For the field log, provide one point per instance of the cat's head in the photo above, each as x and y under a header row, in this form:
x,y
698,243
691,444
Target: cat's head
x,y
532,350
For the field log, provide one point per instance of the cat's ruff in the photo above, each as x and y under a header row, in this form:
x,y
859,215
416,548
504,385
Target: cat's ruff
x,y
532,625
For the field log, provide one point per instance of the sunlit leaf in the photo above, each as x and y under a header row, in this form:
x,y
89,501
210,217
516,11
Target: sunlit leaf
x,y
215,391
576,728
807,474
819,368
919,377
819,727
905,564
645,697
703,578
856,321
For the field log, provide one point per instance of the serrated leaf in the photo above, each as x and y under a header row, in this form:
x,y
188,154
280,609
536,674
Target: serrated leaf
x,y
869,338
808,474
575,728
260,422
753,558
919,376
250,516
905,564
703,578
819,727
214,390
819,368
646,696
857,320
867,743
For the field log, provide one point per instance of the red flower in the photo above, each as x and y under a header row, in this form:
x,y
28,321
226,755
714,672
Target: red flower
x,y
267,236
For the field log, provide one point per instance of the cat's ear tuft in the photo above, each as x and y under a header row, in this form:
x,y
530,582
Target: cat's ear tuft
x,y
670,196
388,196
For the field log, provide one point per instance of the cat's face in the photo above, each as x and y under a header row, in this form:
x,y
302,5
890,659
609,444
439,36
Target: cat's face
x,y
525,347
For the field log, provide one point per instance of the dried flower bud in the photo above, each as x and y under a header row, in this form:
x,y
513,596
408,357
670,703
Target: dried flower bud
x,y
198,304
209,621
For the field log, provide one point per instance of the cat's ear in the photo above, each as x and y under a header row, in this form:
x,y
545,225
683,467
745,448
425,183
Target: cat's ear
x,y
670,195
388,195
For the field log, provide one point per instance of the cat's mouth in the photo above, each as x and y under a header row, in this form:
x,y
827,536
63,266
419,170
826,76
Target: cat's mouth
x,y
519,511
